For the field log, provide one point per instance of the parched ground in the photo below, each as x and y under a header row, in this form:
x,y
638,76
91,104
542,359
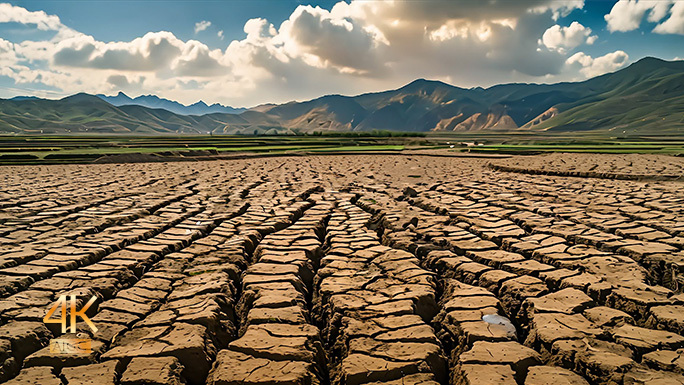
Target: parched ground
x,y
366,269
618,166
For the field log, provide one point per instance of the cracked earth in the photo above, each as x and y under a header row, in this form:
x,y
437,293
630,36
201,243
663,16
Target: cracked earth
x,y
351,270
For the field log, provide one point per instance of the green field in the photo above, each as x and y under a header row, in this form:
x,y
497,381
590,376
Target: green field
x,y
97,148
68,149
522,143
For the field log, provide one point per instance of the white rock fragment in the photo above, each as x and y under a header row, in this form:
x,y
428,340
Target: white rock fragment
x,y
496,319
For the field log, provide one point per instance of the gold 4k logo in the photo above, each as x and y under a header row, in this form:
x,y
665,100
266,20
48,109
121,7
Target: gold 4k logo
x,y
66,345
62,303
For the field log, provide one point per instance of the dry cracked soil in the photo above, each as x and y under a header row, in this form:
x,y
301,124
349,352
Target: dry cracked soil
x,y
360,269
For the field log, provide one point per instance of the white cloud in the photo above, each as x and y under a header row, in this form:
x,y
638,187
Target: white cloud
x,y
387,38
675,23
326,40
628,15
160,52
561,38
44,22
220,34
591,67
201,26
561,8
7,53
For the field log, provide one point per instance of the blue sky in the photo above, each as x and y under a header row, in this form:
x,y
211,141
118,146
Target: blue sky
x,y
125,19
249,52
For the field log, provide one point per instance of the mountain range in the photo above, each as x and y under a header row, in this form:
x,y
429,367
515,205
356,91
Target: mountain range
x,y
153,101
645,98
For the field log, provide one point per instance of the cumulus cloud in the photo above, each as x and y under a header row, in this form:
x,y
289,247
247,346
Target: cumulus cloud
x,y
436,13
220,34
628,15
201,26
591,67
675,23
44,22
324,39
156,51
7,54
561,8
574,35
387,38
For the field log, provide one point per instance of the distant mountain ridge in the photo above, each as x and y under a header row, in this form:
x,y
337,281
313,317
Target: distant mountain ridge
x,y
651,86
153,101
24,98
645,98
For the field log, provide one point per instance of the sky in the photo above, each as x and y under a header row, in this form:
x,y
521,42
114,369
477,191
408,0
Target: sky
x,y
248,52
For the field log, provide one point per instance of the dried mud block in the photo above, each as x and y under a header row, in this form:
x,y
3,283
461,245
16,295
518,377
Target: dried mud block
x,y
493,279
25,337
640,376
606,316
360,368
513,354
636,301
472,332
473,374
546,328
495,258
413,379
425,357
643,340
566,301
235,368
281,342
668,360
106,373
546,375
598,361
39,375
515,291
189,343
153,371
669,317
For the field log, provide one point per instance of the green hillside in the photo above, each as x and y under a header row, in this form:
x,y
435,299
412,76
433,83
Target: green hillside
x,y
645,97
82,113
